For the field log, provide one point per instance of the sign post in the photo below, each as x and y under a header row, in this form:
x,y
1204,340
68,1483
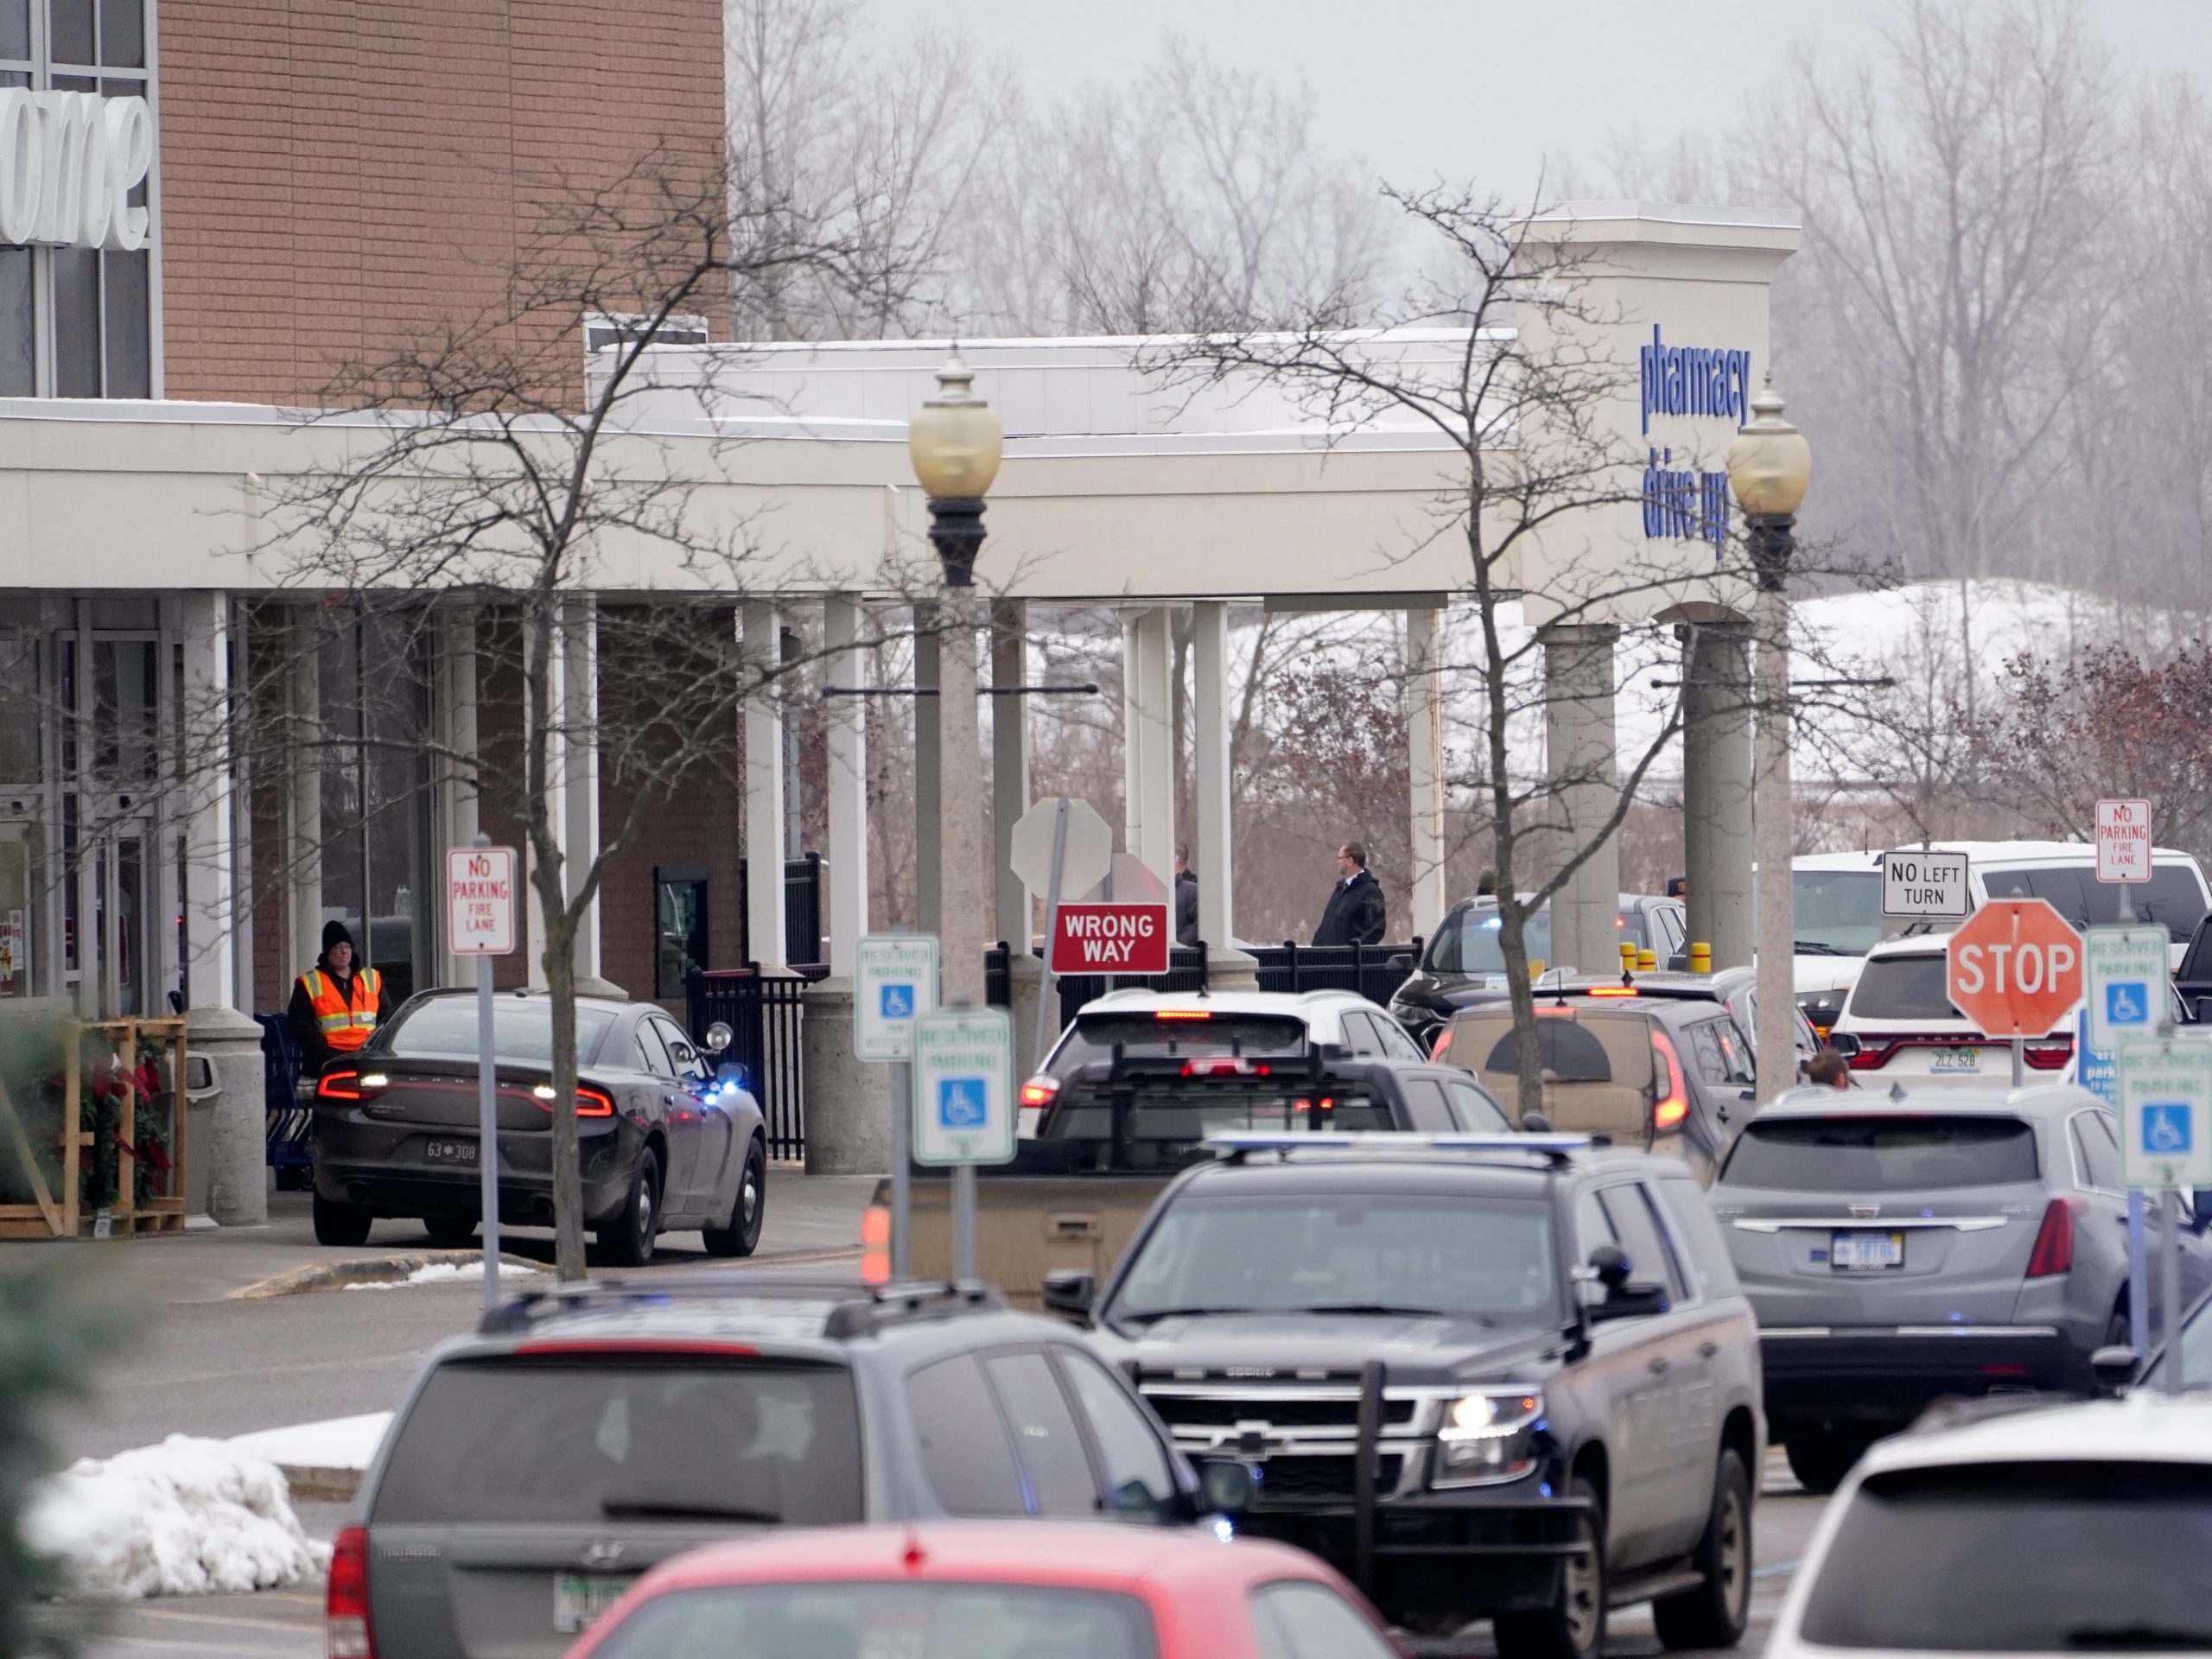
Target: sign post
x,y
2015,970
1060,845
895,983
964,1108
2124,847
480,902
2165,1144
1925,885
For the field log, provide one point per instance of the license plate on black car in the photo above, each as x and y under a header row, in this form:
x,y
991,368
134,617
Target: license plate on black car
x,y
450,1151
1866,1252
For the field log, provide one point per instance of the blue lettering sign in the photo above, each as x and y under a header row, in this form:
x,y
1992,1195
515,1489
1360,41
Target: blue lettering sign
x,y
1681,506
1694,380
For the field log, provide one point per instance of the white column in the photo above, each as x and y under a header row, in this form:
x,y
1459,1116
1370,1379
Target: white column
x,y
1717,790
1427,899
1212,845
457,697
847,741
1132,733
761,647
1581,754
553,718
580,768
1148,712
1009,767
211,804
303,861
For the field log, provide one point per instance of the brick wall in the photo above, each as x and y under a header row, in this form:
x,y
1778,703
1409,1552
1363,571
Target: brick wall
x,y
340,178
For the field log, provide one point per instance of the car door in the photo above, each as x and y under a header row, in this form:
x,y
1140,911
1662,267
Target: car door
x,y
680,1195
1359,1034
1477,1114
713,1131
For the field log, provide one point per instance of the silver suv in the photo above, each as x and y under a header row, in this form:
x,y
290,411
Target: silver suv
x,y
1907,1247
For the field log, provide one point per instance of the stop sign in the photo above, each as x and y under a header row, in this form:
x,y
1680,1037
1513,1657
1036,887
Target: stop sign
x,y
2014,968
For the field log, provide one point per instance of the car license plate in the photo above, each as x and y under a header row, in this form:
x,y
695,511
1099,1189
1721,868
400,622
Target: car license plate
x,y
1865,1252
1966,1060
580,1597
450,1151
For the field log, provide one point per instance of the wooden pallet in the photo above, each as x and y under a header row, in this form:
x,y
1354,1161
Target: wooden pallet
x,y
58,1215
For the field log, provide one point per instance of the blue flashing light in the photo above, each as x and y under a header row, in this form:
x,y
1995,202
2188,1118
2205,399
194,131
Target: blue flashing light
x,y
1224,1529
1491,923
1546,1488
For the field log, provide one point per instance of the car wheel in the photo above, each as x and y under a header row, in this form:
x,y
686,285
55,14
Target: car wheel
x,y
341,1223
1576,1628
1715,1613
627,1241
452,1231
1821,1459
748,1211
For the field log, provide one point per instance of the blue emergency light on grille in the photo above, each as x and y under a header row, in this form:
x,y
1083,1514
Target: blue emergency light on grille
x,y
1388,1141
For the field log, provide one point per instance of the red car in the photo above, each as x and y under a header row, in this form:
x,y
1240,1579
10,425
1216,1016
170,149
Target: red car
x,y
983,1590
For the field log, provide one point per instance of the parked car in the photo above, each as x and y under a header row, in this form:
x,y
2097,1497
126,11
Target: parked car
x,y
969,1590
1925,1243
1515,1381
665,1143
1738,989
2050,1529
1659,1063
1462,966
589,1433
1898,1025
1253,1023
2193,975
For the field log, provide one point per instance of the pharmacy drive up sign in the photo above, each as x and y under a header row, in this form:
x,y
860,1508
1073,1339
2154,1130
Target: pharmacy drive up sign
x,y
1111,939
2015,967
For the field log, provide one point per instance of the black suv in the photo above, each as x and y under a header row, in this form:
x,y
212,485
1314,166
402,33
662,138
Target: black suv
x,y
589,1433
1514,1380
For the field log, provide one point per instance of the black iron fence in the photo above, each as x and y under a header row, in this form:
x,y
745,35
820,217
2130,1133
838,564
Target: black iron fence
x,y
802,910
1375,971
763,1012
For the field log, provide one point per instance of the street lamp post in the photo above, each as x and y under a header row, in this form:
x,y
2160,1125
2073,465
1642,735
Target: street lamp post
x,y
954,442
1769,465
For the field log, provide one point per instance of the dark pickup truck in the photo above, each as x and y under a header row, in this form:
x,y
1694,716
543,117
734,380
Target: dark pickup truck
x,y
1120,1129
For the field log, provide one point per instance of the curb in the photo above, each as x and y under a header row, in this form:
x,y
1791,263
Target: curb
x,y
368,1270
312,1484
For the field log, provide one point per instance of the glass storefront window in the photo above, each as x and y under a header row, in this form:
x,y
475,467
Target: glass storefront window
x,y
126,729
23,689
679,928
22,877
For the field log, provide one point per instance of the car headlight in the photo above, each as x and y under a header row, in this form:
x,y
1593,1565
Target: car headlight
x,y
1488,1436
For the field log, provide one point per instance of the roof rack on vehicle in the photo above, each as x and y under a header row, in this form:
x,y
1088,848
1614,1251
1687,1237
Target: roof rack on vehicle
x,y
1236,1145
853,1310
882,1305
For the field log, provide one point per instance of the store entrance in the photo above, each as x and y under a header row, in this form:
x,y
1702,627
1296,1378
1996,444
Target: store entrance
x,y
117,971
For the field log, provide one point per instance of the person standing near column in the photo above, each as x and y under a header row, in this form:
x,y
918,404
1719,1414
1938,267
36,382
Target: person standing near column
x,y
336,1005
1186,897
1355,913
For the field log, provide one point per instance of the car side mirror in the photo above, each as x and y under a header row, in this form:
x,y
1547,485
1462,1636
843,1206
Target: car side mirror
x,y
1844,1043
1401,963
2113,1368
1225,1486
1071,1292
1535,1123
1609,1265
719,1037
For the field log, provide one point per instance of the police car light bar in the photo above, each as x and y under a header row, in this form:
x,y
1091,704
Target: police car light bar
x,y
1233,1141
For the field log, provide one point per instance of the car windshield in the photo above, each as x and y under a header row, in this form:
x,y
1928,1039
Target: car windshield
x,y
1902,987
1165,1125
1836,912
583,1441
2020,1558
1467,942
1481,1258
1894,1153
444,1027
912,1621
2172,895
1178,1031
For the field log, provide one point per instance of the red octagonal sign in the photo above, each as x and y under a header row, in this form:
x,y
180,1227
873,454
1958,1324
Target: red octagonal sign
x,y
2014,968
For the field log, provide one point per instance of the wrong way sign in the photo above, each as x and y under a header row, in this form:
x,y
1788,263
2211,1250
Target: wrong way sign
x,y
1111,939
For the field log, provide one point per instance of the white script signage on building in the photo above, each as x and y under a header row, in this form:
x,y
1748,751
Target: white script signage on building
x,y
68,163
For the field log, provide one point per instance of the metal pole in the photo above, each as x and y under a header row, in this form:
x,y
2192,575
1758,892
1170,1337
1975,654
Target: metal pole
x,y
902,1169
2169,1291
2020,1062
487,1131
1052,929
963,1222
2139,1286
1774,1042
2127,901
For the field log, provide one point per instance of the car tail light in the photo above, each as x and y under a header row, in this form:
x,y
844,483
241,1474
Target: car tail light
x,y
1613,990
345,1602
590,1103
1223,1066
875,1246
1443,1044
1871,1057
1182,1014
1672,1107
1040,1090
339,1085
2054,1251
2050,1055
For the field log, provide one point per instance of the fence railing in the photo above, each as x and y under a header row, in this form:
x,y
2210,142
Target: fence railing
x,y
1366,968
764,1013
803,909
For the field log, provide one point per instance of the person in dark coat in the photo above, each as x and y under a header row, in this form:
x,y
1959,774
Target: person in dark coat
x,y
1186,898
336,1005
1357,914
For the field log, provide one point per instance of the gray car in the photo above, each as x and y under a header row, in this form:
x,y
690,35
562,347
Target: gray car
x,y
533,1472
1904,1248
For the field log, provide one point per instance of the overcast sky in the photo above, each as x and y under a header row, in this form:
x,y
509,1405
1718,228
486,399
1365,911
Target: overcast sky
x,y
1486,90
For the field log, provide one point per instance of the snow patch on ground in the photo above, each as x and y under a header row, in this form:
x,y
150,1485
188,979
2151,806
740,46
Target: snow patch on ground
x,y
449,1272
186,1517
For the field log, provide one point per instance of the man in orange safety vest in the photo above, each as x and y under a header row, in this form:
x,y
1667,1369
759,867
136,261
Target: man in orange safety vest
x,y
335,1004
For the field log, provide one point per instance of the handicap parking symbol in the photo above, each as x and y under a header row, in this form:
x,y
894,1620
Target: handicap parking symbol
x,y
2166,1127
897,1001
960,1102
2127,1004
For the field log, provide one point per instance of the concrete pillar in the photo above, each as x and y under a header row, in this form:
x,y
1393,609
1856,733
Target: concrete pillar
x,y
457,697
761,648
964,887
1427,900
1717,788
552,717
929,773
846,740
1148,739
580,779
848,1104
1009,766
303,861
1580,745
1213,790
